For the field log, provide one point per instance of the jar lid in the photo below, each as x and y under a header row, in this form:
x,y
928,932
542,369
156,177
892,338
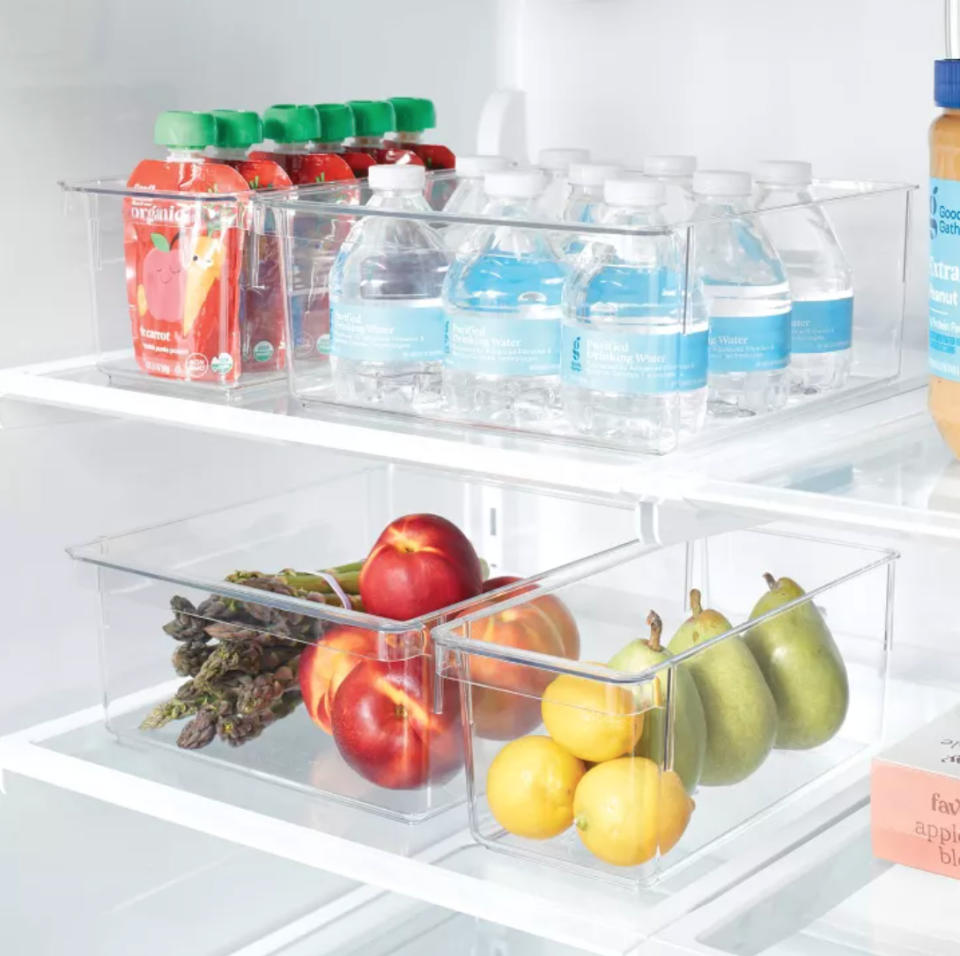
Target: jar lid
x,y
946,84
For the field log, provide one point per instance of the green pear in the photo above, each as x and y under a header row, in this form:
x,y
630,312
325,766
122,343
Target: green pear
x,y
802,666
739,709
689,726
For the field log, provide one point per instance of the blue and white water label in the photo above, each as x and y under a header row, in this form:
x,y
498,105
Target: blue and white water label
x,y
821,325
503,345
633,363
755,343
694,349
386,333
945,278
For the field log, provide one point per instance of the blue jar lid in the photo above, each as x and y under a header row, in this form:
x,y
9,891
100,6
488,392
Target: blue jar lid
x,y
946,84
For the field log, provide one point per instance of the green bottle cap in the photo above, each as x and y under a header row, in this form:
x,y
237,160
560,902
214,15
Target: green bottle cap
x,y
336,122
237,129
184,129
414,114
373,117
288,123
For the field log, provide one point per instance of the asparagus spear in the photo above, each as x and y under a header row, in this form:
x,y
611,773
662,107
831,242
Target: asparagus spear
x,y
247,680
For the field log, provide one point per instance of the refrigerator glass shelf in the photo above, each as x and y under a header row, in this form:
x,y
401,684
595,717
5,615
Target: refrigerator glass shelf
x,y
436,862
827,897
880,465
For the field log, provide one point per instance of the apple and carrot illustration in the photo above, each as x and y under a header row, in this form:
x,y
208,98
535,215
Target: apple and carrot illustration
x,y
176,282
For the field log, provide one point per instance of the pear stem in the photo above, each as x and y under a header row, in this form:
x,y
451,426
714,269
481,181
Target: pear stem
x,y
656,629
770,579
695,604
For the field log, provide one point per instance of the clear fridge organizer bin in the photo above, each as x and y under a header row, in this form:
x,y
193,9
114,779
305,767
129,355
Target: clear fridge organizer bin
x,y
870,220
609,596
243,335
327,524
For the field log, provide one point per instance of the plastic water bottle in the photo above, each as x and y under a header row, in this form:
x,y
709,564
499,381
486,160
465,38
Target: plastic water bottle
x,y
676,173
585,200
556,164
386,315
502,300
626,363
747,296
468,199
819,276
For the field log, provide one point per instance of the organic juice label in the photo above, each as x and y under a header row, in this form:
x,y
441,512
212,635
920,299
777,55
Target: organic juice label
x,y
945,278
183,260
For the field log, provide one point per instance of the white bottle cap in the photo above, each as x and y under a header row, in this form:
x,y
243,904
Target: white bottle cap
x,y
392,176
514,183
785,172
560,159
476,166
634,192
670,165
722,182
592,174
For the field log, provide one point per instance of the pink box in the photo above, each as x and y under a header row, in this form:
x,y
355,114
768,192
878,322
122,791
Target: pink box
x,y
915,799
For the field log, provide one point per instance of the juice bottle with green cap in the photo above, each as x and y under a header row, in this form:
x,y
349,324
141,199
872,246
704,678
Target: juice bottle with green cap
x,y
295,131
337,125
236,131
415,115
262,291
373,120
183,257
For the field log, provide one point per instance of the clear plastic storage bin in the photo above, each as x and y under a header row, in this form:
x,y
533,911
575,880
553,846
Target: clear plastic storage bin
x,y
197,306
869,219
257,658
606,770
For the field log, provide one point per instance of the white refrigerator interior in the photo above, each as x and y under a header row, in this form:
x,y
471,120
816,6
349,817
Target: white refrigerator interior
x,y
142,849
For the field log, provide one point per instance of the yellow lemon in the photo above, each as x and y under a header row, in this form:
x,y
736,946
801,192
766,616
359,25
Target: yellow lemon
x,y
595,721
626,809
141,300
530,787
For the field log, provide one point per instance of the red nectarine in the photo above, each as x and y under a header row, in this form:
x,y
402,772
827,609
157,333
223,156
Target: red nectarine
x,y
385,728
420,563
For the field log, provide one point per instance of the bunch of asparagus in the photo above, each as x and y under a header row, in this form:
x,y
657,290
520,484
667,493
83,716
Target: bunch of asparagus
x,y
241,657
